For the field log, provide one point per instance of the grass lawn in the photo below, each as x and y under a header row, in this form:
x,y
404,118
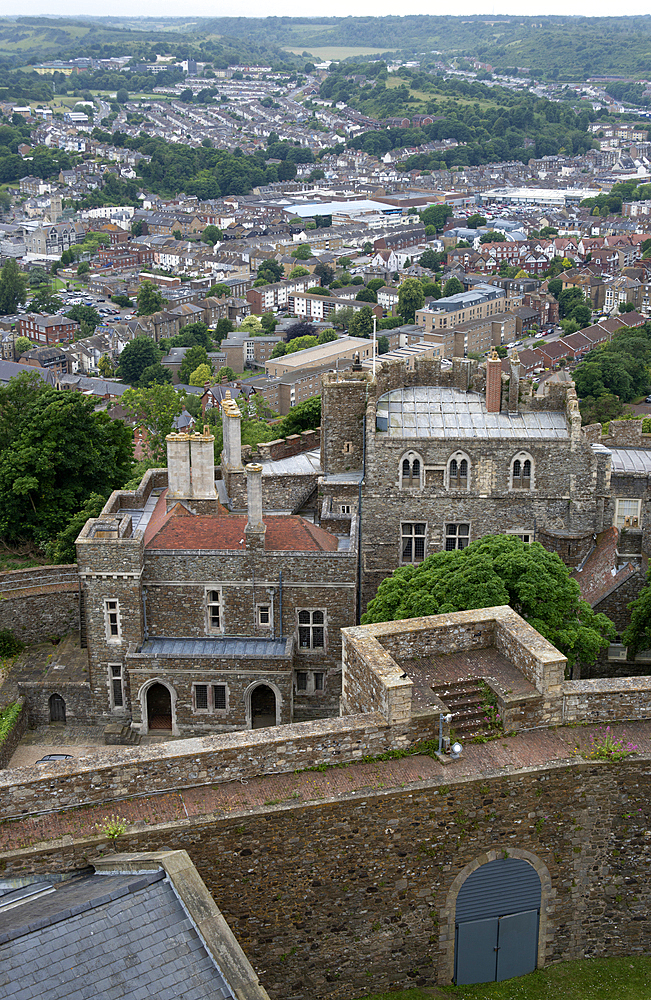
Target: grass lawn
x,y
589,979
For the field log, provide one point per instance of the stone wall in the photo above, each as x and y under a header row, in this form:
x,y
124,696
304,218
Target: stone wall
x,y
199,761
294,444
279,492
340,898
607,699
76,695
38,603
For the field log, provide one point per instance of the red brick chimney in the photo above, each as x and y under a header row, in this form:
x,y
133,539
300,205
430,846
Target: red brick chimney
x,y
493,383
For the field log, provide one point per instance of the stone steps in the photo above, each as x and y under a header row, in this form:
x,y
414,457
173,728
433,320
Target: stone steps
x,y
117,734
464,700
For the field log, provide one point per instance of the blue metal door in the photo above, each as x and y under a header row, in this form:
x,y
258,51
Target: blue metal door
x,y
476,951
517,944
497,922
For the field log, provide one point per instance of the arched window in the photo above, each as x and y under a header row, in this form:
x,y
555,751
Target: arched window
x,y
521,473
458,472
410,472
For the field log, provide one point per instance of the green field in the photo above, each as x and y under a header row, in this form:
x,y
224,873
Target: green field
x,y
589,979
337,52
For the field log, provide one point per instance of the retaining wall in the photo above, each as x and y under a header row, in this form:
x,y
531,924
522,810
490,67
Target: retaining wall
x,y
40,602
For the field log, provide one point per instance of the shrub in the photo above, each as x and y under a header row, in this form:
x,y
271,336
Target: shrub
x,y
9,644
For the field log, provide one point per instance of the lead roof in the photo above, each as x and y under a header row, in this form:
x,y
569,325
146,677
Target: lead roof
x,y
441,412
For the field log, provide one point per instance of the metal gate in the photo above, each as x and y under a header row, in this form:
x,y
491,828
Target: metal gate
x,y
57,708
497,915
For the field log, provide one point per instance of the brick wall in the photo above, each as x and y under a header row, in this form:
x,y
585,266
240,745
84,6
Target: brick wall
x,y
340,898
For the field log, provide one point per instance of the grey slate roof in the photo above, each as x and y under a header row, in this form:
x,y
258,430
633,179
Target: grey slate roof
x,y
631,460
10,369
435,411
232,648
114,937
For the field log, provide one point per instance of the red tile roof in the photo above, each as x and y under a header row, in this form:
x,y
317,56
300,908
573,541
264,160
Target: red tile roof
x,y
600,575
182,530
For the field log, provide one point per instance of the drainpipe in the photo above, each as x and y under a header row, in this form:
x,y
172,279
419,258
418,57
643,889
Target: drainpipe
x,y
280,603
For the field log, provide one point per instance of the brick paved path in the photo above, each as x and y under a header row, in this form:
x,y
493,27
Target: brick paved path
x,y
497,757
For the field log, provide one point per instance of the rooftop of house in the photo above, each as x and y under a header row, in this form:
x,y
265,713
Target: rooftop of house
x,y
437,411
602,571
64,935
180,530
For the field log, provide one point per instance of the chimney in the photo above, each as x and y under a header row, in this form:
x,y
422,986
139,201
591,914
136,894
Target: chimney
x,y
232,429
494,383
514,383
202,452
178,466
255,528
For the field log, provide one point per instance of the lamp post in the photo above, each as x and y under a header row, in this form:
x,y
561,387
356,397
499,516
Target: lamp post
x,y
443,718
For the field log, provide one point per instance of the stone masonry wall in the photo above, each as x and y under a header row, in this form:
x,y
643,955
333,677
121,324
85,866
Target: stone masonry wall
x,y
607,699
40,602
339,898
199,761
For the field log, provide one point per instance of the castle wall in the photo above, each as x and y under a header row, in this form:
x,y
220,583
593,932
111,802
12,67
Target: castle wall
x,y
338,898
38,603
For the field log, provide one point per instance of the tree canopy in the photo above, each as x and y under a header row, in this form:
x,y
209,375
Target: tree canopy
x,y
138,354
150,299
155,408
55,451
13,287
637,635
410,298
497,570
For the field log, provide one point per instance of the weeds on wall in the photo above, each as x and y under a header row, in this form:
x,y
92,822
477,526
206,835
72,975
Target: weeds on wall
x,y
8,719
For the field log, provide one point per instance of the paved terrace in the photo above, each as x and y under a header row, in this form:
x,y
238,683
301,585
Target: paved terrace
x,y
467,665
496,758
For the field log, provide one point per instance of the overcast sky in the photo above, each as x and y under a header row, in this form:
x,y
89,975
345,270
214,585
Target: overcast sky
x,y
340,8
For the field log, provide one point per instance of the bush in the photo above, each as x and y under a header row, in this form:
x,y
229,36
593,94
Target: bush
x,y
9,644
8,718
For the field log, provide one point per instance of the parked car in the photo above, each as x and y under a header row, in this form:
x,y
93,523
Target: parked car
x,y
648,399
54,756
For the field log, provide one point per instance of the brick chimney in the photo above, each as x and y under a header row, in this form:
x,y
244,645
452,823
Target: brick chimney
x,y
494,383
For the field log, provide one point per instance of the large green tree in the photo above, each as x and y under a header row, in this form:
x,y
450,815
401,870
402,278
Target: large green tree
x,y
55,451
410,298
305,416
13,287
155,408
150,299
361,323
192,358
452,287
637,635
138,354
496,570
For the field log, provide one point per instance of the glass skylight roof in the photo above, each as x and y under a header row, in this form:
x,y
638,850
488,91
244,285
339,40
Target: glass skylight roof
x,y
436,411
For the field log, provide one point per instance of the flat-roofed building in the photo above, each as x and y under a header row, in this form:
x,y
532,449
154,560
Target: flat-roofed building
x,y
323,354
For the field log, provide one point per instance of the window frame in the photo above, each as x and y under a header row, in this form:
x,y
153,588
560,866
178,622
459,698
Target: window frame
x,y
525,536
312,687
456,535
411,458
260,609
412,536
517,482
627,500
112,638
211,603
112,679
211,707
458,459
311,625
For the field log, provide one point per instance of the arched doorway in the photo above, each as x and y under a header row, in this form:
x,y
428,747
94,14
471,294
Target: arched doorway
x,y
263,707
57,708
497,922
159,708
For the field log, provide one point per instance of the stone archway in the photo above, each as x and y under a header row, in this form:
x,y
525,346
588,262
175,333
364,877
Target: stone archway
x,y
158,707
57,707
448,914
263,704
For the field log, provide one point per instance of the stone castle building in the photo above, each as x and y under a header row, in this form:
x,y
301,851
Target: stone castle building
x,y
201,611
434,459
212,599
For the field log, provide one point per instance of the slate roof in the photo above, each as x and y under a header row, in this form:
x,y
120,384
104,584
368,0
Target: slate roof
x,y
181,530
219,648
121,937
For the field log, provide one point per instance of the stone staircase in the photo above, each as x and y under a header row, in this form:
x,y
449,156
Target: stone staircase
x,y
118,735
464,701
